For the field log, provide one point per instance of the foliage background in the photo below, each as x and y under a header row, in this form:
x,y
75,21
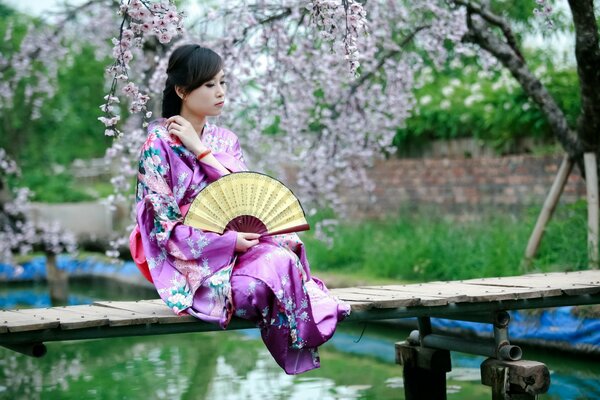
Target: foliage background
x,y
67,128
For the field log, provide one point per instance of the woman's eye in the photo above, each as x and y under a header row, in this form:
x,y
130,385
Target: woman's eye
x,y
210,84
223,83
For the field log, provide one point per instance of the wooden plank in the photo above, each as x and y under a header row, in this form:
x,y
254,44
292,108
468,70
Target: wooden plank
x,y
393,300
155,301
483,293
65,319
367,304
589,277
574,289
86,316
357,294
162,313
118,317
459,292
422,291
380,299
571,284
359,306
593,276
15,322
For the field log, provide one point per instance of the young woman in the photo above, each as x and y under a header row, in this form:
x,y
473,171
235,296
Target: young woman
x,y
210,276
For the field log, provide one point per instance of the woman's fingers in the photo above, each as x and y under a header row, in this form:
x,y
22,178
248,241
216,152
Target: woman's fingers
x,y
251,240
172,123
246,240
175,118
178,119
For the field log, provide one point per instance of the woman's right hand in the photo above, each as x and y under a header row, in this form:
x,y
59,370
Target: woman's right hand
x,y
245,240
183,129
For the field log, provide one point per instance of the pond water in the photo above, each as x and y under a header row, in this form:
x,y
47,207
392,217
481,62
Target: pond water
x,y
235,365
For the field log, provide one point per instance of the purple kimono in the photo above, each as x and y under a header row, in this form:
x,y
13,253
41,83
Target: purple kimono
x,y
200,273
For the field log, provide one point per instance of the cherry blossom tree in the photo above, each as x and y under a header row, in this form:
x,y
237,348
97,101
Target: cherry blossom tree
x,y
33,66
20,234
312,88
317,87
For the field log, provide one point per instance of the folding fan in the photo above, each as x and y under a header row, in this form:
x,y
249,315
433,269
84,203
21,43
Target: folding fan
x,y
247,202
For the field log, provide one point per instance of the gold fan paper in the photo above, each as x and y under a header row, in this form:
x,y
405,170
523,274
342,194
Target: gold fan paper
x,y
247,202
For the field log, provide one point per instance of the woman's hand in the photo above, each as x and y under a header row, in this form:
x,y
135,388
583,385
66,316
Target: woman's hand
x,y
183,129
245,240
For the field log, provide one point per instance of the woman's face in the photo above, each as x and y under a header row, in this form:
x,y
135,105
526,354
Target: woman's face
x,y
207,99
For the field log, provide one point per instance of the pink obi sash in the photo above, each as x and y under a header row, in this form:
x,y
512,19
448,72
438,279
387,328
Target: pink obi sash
x,y
137,250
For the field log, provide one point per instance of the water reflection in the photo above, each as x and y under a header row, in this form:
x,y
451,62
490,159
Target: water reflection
x,y
234,365
266,381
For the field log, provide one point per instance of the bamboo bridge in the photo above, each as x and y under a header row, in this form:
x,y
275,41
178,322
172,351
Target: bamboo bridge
x,y
424,355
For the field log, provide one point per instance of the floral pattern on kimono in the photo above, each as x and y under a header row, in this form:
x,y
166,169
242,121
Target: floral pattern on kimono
x,y
193,270
182,258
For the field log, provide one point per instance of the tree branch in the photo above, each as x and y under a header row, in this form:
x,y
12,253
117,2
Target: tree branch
x,y
286,12
494,20
389,54
480,34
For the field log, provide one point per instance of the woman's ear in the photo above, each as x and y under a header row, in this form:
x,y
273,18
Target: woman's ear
x,y
180,92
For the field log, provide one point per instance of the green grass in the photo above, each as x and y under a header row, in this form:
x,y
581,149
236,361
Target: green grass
x,y
423,247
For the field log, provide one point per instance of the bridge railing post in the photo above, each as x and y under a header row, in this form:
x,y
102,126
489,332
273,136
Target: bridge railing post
x,y
424,371
425,358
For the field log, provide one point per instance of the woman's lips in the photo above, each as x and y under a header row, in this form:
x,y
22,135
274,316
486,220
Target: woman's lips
x,y
221,104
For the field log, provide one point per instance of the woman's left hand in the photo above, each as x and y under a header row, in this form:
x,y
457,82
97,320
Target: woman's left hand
x,y
183,129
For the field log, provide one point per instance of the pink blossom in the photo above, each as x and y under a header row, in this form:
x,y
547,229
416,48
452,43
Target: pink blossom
x,y
130,88
172,16
136,5
164,37
146,27
160,22
127,34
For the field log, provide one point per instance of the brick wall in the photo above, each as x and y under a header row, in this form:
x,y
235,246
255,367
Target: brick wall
x,y
463,185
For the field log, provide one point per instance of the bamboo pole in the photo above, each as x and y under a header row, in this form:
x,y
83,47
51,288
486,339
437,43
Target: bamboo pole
x,y
591,183
548,209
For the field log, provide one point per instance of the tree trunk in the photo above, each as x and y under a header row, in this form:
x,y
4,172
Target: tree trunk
x,y
587,53
58,282
483,31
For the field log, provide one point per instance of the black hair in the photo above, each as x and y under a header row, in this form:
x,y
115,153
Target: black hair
x,y
190,66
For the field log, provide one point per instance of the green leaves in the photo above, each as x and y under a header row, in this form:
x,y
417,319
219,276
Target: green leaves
x,y
464,100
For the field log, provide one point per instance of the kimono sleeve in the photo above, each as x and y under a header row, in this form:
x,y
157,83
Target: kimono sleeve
x,y
174,251
232,159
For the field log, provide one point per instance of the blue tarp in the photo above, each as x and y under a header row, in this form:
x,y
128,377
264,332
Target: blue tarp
x,y
36,268
36,299
559,325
